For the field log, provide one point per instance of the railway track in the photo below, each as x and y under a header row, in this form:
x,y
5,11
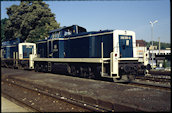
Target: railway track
x,y
64,104
151,85
155,78
13,98
19,103
156,81
37,90
160,79
154,72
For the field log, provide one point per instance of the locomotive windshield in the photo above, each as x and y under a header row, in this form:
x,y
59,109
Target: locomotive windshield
x,y
125,46
81,29
27,50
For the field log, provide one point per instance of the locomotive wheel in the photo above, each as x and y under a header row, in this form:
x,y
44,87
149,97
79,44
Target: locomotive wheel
x,y
123,78
90,73
73,70
20,67
37,68
131,77
45,68
82,72
69,71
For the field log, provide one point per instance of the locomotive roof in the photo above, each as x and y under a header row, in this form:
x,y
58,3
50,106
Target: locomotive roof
x,y
82,34
87,33
11,42
75,35
64,27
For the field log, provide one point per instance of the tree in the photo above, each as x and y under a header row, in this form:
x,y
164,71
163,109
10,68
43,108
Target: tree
x,y
30,21
3,24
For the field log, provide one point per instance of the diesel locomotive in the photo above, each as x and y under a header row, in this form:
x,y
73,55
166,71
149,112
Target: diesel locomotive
x,y
18,54
73,50
107,53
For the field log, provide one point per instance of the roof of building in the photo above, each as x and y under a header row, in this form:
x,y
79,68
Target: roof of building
x,y
141,43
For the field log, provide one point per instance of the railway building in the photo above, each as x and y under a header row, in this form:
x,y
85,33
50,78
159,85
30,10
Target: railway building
x,y
142,52
161,58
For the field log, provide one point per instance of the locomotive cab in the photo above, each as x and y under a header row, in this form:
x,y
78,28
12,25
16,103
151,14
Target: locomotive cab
x,y
27,51
124,61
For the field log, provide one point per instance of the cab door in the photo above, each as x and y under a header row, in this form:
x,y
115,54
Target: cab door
x,y
55,50
50,48
125,46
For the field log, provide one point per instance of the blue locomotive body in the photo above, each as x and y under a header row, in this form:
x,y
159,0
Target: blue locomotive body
x,y
16,54
84,45
108,53
8,47
71,46
89,45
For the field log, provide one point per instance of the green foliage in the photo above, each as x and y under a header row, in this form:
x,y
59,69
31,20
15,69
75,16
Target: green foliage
x,y
3,24
165,45
165,64
156,43
30,21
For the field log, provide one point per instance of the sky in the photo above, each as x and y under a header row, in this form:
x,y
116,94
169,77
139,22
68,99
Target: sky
x,y
134,15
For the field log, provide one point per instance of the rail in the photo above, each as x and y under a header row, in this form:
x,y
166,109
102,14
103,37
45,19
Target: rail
x,y
61,97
